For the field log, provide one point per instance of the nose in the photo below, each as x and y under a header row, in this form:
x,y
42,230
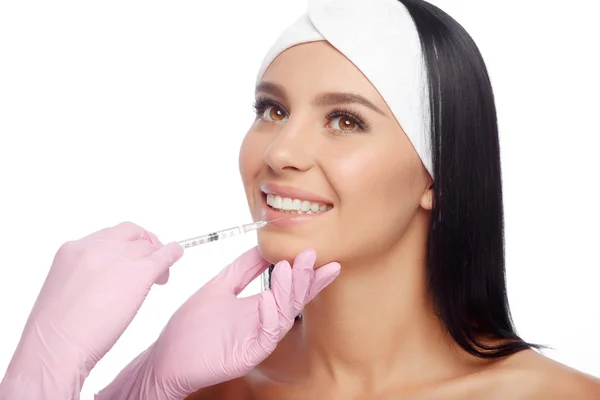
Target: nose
x,y
289,150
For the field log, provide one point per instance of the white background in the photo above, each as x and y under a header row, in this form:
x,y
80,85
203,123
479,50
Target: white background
x,y
131,110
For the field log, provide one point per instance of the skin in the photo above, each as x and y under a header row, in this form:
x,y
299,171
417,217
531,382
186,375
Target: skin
x,y
372,332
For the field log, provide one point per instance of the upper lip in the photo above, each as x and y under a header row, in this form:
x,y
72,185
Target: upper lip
x,y
293,193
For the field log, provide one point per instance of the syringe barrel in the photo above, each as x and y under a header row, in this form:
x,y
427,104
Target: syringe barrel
x,y
225,233
254,226
198,240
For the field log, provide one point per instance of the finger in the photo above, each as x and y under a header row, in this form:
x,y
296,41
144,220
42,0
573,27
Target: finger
x,y
302,277
281,286
268,331
237,275
323,277
163,279
154,239
163,258
139,249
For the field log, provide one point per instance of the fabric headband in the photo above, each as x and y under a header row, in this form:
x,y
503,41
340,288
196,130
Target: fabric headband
x,y
380,38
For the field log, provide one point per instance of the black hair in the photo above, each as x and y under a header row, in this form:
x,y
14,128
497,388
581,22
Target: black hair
x,y
465,249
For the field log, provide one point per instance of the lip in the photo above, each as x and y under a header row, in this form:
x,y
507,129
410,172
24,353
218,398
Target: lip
x,y
293,193
284,220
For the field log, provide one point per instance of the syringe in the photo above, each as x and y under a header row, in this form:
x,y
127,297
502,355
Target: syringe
x,y
226,233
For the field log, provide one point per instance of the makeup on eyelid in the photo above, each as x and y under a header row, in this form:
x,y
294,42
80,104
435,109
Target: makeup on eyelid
x,y
351,120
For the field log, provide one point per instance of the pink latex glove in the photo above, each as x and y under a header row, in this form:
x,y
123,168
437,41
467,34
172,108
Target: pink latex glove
x,y
216,336
93,290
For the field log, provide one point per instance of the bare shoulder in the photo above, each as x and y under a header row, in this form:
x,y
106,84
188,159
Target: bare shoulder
x,y
526,375
534,376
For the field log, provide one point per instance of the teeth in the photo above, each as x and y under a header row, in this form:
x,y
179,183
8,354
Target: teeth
x,y
287,204
305,206
296,206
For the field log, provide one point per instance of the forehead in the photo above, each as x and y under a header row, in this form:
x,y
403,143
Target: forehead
x,y
316,67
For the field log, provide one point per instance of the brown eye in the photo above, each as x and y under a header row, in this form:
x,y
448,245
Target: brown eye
x,y
346,124
273,113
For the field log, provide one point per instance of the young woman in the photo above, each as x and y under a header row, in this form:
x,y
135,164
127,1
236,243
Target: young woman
x,y
376,144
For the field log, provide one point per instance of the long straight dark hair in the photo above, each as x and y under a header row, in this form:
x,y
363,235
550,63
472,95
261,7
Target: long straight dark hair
x,y
465,250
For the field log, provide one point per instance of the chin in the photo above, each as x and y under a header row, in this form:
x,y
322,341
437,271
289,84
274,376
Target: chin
x,y
278,246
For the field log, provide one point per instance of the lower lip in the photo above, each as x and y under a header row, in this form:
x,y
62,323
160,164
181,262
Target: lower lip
x,y
284,220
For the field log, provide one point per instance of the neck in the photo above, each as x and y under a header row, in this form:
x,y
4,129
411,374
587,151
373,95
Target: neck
x,y
375,325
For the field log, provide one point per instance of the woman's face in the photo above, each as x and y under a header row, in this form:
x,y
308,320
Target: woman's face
x,y
327,157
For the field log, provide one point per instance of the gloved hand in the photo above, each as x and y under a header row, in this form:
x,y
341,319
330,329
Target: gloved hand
x,y
93,290
215,336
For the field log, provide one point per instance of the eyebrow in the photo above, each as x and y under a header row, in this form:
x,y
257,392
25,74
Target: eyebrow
x,y
331,99
324,99
271,88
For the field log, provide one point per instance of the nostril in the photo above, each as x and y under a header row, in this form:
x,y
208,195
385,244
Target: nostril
x,y
284,155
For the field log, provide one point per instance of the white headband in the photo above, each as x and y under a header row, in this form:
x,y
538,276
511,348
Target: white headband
x,y
380,38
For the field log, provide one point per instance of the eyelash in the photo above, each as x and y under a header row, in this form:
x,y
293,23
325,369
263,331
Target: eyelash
x,y
351,114
262,103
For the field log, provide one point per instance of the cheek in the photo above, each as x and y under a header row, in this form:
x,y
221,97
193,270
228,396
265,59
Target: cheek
x,y
379,194
250,166
363,177
250,158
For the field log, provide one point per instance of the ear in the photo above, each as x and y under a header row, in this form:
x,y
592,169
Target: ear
x,y
427,198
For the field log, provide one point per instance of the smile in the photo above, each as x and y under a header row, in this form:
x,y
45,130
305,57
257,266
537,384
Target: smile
x,y
289,205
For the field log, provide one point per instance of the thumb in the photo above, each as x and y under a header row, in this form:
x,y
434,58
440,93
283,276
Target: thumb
x,y
266,338
163,258
237,275
323,277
